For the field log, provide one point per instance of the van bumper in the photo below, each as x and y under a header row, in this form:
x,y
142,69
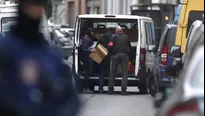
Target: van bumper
x,y
165,79
132,81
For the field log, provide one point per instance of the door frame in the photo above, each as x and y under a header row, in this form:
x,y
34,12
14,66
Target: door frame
x,y
137,58
76,45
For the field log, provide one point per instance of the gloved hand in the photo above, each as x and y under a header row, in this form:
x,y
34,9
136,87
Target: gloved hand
x,y
93,50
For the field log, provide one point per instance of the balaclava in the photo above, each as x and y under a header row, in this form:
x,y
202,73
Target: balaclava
x,y
28,28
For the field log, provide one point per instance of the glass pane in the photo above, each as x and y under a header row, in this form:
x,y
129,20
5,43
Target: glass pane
x,y
193,16
172,37
147,33
7,22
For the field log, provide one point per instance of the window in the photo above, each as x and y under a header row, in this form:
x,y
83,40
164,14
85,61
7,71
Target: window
x,y
7,22
149,33
97,10
89,10
113,23
193,16
93,10
98,24
171,37
162,39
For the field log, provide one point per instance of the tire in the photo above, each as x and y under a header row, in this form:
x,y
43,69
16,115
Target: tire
x,y
152,86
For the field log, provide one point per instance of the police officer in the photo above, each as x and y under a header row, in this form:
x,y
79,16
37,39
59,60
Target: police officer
x,y
33,79
120,47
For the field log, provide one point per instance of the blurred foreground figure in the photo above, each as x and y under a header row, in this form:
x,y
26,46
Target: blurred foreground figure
x,y
34,81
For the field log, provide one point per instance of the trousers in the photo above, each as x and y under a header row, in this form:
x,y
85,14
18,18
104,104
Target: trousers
x,y
123,60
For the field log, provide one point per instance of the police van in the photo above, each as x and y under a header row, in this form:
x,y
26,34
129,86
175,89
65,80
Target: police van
x,y
140,31
9,15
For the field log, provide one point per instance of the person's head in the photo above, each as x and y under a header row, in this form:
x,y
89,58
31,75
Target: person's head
x,y
119,30
90,32
29,20
32,8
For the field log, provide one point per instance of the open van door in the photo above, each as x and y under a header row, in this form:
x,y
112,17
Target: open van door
x,y
76,46
150,45
137,61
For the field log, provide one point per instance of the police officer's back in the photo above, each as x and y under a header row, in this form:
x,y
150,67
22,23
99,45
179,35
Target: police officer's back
x,y
33,79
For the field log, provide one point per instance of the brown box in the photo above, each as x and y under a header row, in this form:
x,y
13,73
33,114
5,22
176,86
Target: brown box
x,y
99,54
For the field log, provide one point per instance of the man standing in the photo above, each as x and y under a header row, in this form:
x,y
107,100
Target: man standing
x,y
33,79
120,47
87,42
104,41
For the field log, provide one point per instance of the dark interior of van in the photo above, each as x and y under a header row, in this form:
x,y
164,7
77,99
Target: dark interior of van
x,y
100,26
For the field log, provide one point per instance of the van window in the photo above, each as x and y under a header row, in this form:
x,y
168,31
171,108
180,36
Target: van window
x,y
171,37
100,26
162,39
193,16
150,37
7,22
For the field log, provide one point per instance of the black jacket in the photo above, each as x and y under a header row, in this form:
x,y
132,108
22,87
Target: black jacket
x,y
121,44
104,40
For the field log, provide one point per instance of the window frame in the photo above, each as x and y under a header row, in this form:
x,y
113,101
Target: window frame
x,y
190,22
6,18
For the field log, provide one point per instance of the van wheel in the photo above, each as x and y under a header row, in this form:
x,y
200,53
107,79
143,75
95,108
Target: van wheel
x,y
143,88
152,86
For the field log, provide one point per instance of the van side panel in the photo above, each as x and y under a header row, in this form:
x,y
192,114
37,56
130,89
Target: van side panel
x,y
190,5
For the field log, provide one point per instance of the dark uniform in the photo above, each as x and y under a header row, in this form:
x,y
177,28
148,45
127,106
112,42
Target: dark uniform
x,y
33,79
120,48
105,39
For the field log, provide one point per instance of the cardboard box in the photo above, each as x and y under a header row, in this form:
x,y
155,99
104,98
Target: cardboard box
x,y
99,54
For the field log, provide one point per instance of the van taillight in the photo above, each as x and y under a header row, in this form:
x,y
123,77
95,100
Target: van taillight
x,y
184,110
142,56
164,55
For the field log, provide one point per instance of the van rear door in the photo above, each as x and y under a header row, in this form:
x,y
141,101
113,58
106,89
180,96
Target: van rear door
x,y
150,41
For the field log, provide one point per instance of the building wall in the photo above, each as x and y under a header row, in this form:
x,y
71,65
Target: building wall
x,y
60,14
77,7
117,6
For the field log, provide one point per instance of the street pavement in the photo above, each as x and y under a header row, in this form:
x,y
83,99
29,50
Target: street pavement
x,y
116,105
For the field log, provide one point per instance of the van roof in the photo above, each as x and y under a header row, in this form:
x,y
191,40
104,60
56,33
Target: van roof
x,y
112,16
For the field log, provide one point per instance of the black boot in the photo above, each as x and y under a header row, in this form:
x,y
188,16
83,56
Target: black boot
x,y
124,92
100,90
111,91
